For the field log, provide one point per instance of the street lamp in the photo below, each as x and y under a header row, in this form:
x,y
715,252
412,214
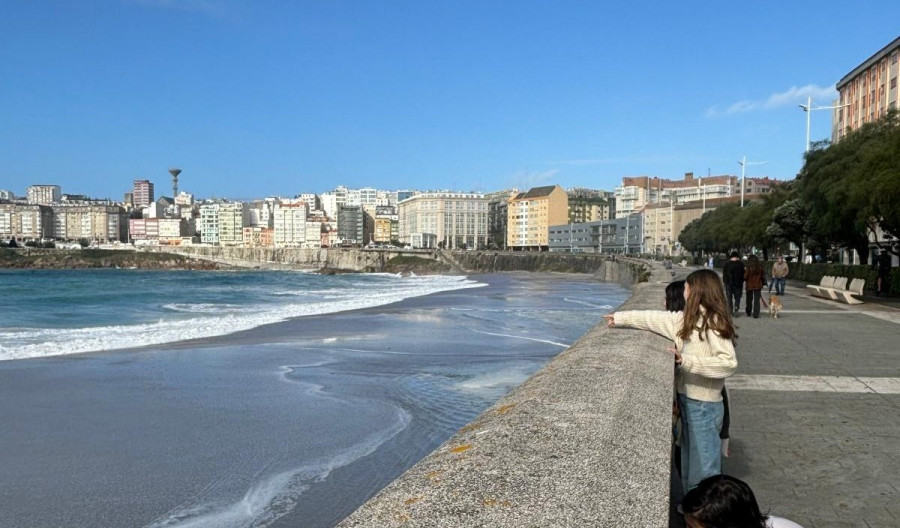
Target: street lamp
x,y
743,162
808,108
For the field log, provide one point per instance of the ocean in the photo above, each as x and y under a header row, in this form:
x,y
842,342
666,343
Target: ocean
x,y
253,398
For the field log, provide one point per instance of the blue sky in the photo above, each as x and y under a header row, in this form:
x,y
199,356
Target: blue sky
x,y
259,97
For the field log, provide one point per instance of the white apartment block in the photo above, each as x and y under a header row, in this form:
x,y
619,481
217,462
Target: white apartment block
x,y
209,223
313,235
311,199
454,218
637,192
7,195
290,224
184,199
333,200
233,217
44,194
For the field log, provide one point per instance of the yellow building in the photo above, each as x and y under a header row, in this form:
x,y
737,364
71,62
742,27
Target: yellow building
x,y
530,215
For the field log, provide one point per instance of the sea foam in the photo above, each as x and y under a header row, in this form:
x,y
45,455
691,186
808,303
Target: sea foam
x,y
194,321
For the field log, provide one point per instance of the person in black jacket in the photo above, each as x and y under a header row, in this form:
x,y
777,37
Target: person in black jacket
x,y
733,277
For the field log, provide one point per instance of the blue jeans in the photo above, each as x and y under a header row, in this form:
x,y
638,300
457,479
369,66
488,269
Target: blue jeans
x,y
779,285
701,447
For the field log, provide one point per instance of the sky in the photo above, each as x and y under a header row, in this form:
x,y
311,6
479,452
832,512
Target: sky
x,y
254,98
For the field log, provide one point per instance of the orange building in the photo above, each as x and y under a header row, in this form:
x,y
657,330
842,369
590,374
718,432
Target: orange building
x,y
530,215
869,90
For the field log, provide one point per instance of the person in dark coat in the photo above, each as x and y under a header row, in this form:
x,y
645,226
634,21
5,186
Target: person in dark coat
x,y
733,277
755,276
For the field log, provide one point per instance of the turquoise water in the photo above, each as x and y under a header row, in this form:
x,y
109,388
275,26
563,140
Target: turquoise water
x,y
62,312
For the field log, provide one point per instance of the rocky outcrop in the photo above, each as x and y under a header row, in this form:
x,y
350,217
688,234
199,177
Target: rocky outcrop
x,y
98,258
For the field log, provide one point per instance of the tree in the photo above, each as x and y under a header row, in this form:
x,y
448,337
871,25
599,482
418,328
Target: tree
x,y
854,185
83,242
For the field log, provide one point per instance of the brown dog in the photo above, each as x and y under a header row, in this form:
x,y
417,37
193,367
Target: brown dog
x,y
774,306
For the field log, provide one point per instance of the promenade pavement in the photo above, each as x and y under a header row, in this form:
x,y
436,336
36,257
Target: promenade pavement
x,y
815,426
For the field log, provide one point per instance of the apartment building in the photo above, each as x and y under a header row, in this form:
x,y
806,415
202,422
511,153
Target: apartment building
x,y
386,225
23,222
43,194
351,224
259,236
95,222
589,205
457,220
637,192
313,237
142,193
870,90
333,200
7,195
209,224
289,224
498,215
233,217
530,215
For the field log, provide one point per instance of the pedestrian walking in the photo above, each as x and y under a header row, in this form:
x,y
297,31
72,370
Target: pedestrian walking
x,y
884,274
723,500
780,272
704,353
733,277
755,276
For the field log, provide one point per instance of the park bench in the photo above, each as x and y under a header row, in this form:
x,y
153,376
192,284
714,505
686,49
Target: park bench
x,y
836,289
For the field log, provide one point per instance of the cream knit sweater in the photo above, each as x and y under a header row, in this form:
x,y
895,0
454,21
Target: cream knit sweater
x,y
705,364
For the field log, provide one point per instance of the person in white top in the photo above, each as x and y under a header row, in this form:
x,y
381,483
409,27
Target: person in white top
x,y
704,353
723,500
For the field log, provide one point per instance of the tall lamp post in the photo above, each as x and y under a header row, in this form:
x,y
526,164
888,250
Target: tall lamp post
x,y
808,108
743,162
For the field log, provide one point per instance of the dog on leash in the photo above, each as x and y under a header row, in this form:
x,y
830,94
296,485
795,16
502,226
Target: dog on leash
x,y
774,306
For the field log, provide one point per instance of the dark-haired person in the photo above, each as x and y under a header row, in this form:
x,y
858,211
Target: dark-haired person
x,y
704,350
755,276
733,277
723,501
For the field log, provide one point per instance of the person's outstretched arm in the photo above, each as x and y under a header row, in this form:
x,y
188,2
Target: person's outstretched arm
x,y
659,322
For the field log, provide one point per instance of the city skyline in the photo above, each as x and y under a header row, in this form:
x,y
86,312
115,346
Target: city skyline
x,y
253,100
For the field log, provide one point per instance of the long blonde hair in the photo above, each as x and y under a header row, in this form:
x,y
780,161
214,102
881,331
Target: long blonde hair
x,y
707,295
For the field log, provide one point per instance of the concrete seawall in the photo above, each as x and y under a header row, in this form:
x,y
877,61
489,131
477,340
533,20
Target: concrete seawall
x,y
583,442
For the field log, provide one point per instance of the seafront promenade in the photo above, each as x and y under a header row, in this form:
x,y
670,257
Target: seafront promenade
x,y
816,412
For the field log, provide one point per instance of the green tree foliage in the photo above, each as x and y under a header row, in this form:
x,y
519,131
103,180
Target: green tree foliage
x,y
850,187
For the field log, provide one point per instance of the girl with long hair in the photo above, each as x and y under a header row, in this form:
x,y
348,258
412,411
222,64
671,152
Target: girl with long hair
x,y
755,277
704,353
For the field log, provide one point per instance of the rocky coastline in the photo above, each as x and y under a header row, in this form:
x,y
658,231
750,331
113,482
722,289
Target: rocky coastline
x,y
29,258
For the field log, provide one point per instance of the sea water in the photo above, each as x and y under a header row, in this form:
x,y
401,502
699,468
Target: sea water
x,y
231,399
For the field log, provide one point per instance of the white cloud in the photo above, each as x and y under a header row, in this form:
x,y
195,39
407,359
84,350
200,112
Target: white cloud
x,y
793,95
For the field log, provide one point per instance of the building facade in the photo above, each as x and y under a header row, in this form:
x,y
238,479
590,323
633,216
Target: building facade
x,y
289,224
43,194
96,223
588,205
351,224
530,215
142,193
21,222
209,224
869,90
233,217
615,236
457,220
637,192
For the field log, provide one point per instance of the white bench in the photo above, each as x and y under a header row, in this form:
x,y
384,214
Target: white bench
x,y
836,289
